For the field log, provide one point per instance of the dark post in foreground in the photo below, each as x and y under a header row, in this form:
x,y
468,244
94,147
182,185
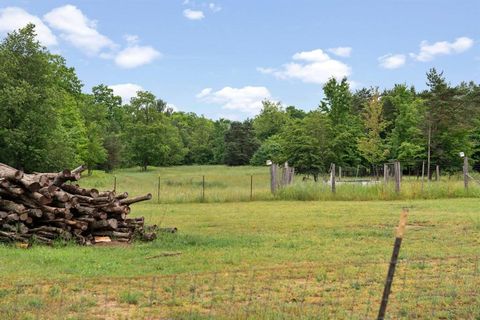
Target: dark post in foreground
x,y
393,263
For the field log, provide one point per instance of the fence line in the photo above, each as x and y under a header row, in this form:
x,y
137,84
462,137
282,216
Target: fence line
x,y
424,288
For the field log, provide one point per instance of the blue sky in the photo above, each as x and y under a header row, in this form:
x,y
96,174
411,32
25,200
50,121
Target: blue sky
x,y
221,58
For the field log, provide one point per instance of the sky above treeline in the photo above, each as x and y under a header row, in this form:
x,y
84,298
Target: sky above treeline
x,y
222,58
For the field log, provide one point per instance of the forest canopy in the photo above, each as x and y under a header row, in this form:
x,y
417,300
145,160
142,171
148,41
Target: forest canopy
x,y
48,123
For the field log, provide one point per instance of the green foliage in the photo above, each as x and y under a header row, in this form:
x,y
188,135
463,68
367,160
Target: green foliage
x,y
240,143
47,123
270,121
271,149
153,139
371,146
37,95
405,140
307,144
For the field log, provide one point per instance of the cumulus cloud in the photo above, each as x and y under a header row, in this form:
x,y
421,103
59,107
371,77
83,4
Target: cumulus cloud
x,y
126,91
78,29
136,56
247,99
310,66
341,51
429,51
13,18
193,14
392,61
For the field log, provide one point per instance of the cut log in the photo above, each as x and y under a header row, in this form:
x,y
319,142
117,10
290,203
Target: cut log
x,y
136,199
8,205
10,173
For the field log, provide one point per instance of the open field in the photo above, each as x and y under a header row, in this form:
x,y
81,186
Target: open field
x,y
238,184
262,259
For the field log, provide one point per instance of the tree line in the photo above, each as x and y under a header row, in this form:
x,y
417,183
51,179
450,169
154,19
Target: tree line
x,y
47,123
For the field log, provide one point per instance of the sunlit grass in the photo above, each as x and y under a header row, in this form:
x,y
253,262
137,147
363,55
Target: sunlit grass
x,y
237,184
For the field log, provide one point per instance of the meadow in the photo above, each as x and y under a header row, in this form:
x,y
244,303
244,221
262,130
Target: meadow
x,y
192,184
260,259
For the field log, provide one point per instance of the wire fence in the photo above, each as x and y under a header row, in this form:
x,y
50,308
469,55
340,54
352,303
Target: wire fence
x,y
430,288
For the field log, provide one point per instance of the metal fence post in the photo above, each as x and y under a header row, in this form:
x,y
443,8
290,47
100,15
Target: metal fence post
x,y
393,263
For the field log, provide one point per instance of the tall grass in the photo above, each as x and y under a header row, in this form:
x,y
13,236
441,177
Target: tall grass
x,y
191,184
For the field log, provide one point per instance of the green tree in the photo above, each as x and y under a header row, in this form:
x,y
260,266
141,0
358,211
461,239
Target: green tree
x,y
40,123
406,141
153,140
307,144
448,122
270,121
346,125
240,143
371,146
271,149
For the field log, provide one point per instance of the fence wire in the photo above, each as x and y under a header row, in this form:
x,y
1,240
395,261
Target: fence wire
x,y
442,288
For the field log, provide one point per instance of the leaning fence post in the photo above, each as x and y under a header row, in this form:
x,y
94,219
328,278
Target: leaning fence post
x,y
393,263
465,172
114,183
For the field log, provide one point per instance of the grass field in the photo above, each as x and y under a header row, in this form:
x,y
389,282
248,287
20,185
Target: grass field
x,y
261,259
238,184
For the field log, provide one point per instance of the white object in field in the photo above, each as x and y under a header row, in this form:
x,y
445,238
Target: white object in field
x,y
462,154
269,162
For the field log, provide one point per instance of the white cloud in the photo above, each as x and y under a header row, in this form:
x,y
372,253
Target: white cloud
x,y
247,99
214,7
429,51
131,39
126,91
392,61
205,92
341,51
136,56
77,29
13,18
193,14
314,67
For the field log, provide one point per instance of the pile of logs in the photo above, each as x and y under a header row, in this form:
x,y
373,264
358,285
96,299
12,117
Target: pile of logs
x,y
44,207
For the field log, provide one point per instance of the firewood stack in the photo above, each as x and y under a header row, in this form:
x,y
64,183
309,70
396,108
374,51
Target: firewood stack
x,y
43,207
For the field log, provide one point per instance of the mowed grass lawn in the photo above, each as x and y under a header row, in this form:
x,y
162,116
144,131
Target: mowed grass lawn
x,y
260,259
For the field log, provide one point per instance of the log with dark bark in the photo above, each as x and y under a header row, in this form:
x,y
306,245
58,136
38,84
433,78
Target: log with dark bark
x,y
42,207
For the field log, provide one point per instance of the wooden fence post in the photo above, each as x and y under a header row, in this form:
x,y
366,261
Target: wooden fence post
x,y
203,188
273,177
114,183
332,175
385,173
397,176
339,173
465,172
437,171
393,263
